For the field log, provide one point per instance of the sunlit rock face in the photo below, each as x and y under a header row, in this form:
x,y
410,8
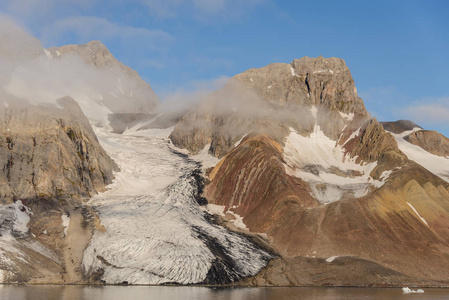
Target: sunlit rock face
x,y
308,92
49,152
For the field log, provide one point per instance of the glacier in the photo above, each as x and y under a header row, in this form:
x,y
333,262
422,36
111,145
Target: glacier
x,y
154,231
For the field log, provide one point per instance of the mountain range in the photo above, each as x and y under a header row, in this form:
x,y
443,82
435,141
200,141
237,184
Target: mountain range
x,y
279,178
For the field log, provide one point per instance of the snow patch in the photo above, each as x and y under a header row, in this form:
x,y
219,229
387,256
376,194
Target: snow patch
x,y
438,165
65,222
22,217
48,54
293,71
353,135
323,163
239,141
416,212
238,222
348,117
331,259
206,159
216,209
314,111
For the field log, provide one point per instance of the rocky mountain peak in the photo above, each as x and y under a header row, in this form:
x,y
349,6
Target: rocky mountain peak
x,y
306,94
121,88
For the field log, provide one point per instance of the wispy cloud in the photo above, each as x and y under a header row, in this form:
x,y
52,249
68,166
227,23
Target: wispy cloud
x,y
40,8
84,29
201,8
180,99
430,111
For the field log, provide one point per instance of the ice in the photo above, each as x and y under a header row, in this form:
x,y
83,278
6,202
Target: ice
x,y
406,290
438,165
155,231
323,163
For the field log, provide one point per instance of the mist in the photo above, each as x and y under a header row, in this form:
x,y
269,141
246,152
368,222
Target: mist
x,y
33,75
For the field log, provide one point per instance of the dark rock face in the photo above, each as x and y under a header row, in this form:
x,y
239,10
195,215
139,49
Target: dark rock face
x,y
399,126
49,152
308,92
431,141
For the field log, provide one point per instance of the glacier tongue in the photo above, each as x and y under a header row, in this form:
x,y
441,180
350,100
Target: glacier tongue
x,y
155,232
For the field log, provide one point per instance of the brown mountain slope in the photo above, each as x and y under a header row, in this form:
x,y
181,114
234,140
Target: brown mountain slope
x,y
431,141
382,227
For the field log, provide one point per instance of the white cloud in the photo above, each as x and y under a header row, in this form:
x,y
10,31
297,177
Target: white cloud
x,y
84,29
435,112
39,8
201,8
182,98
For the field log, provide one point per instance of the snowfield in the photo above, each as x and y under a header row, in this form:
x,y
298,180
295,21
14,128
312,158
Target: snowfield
x,y
438,165
155,231
322,163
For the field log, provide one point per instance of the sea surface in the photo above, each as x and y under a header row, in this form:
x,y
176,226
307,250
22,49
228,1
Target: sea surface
x,y
54,292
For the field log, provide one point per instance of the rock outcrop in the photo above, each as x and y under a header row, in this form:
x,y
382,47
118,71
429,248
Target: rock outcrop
x,y
51,163
270,100
50,152
431,141
399,126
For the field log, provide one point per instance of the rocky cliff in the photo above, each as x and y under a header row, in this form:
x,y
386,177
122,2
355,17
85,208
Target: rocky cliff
x,y
431,141
308,92
50,152
51,164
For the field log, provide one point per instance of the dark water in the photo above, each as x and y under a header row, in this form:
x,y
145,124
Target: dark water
x,y
13,292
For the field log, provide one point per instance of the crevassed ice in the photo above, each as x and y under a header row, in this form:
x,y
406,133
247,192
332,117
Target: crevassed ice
x,y
155,230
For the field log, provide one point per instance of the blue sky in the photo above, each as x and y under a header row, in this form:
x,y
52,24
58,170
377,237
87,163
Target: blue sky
x,y
398,51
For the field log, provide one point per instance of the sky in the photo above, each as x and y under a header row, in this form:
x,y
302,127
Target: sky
x,y
397,51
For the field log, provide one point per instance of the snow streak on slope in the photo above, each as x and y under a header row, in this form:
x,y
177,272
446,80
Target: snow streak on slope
x,y
155,230
438,165
15,242
319,161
